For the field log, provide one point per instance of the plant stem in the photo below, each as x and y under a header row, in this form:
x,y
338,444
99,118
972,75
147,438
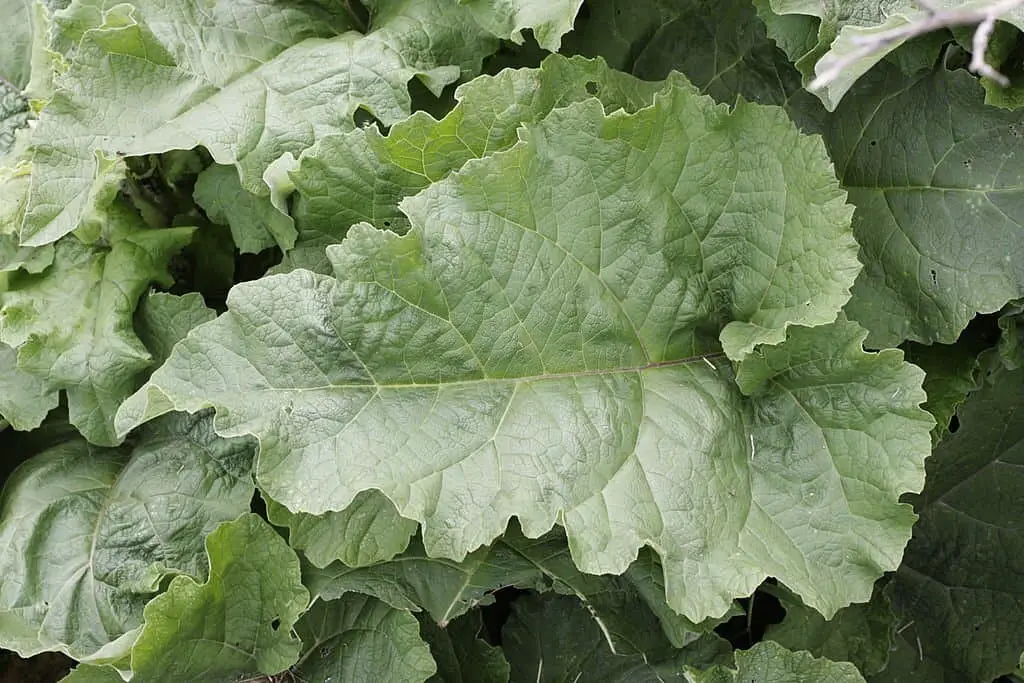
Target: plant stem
x,y
933,20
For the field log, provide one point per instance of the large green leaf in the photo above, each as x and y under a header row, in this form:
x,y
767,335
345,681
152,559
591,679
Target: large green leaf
x,y
909,664
770,662
938,182
959,591
136,69
362,175
72,323
720,45
447,590
921,157
88,534
298,69
359,638
544,343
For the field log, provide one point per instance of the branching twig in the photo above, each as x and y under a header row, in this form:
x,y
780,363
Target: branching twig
x,y
933,20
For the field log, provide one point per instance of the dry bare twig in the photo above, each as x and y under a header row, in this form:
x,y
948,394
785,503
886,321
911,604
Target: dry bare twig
x,y
933,19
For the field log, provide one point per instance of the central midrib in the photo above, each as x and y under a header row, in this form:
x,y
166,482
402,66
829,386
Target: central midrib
x,y
707,358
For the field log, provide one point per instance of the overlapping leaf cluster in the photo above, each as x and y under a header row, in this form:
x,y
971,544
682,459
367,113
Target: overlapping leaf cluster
x,y
316,366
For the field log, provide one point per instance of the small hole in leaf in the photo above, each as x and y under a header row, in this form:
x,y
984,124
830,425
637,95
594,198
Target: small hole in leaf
x,y
275,624
935,278
387,224
954,424
325,651
874,143
592,87
968,162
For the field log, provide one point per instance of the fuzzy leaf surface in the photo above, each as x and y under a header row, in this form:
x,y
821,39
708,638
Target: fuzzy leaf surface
x,y
255,223
547,342
25,399
163,320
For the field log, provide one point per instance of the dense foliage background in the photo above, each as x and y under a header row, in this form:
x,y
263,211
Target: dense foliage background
x,y
512,340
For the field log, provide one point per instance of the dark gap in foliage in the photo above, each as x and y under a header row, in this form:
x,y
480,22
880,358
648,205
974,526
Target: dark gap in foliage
x,y
513,56
43,668
160,186
257,505
424,100
254,266
16,447
584,14
761,610
1014,62
954,424
363,118
359,14
496,614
